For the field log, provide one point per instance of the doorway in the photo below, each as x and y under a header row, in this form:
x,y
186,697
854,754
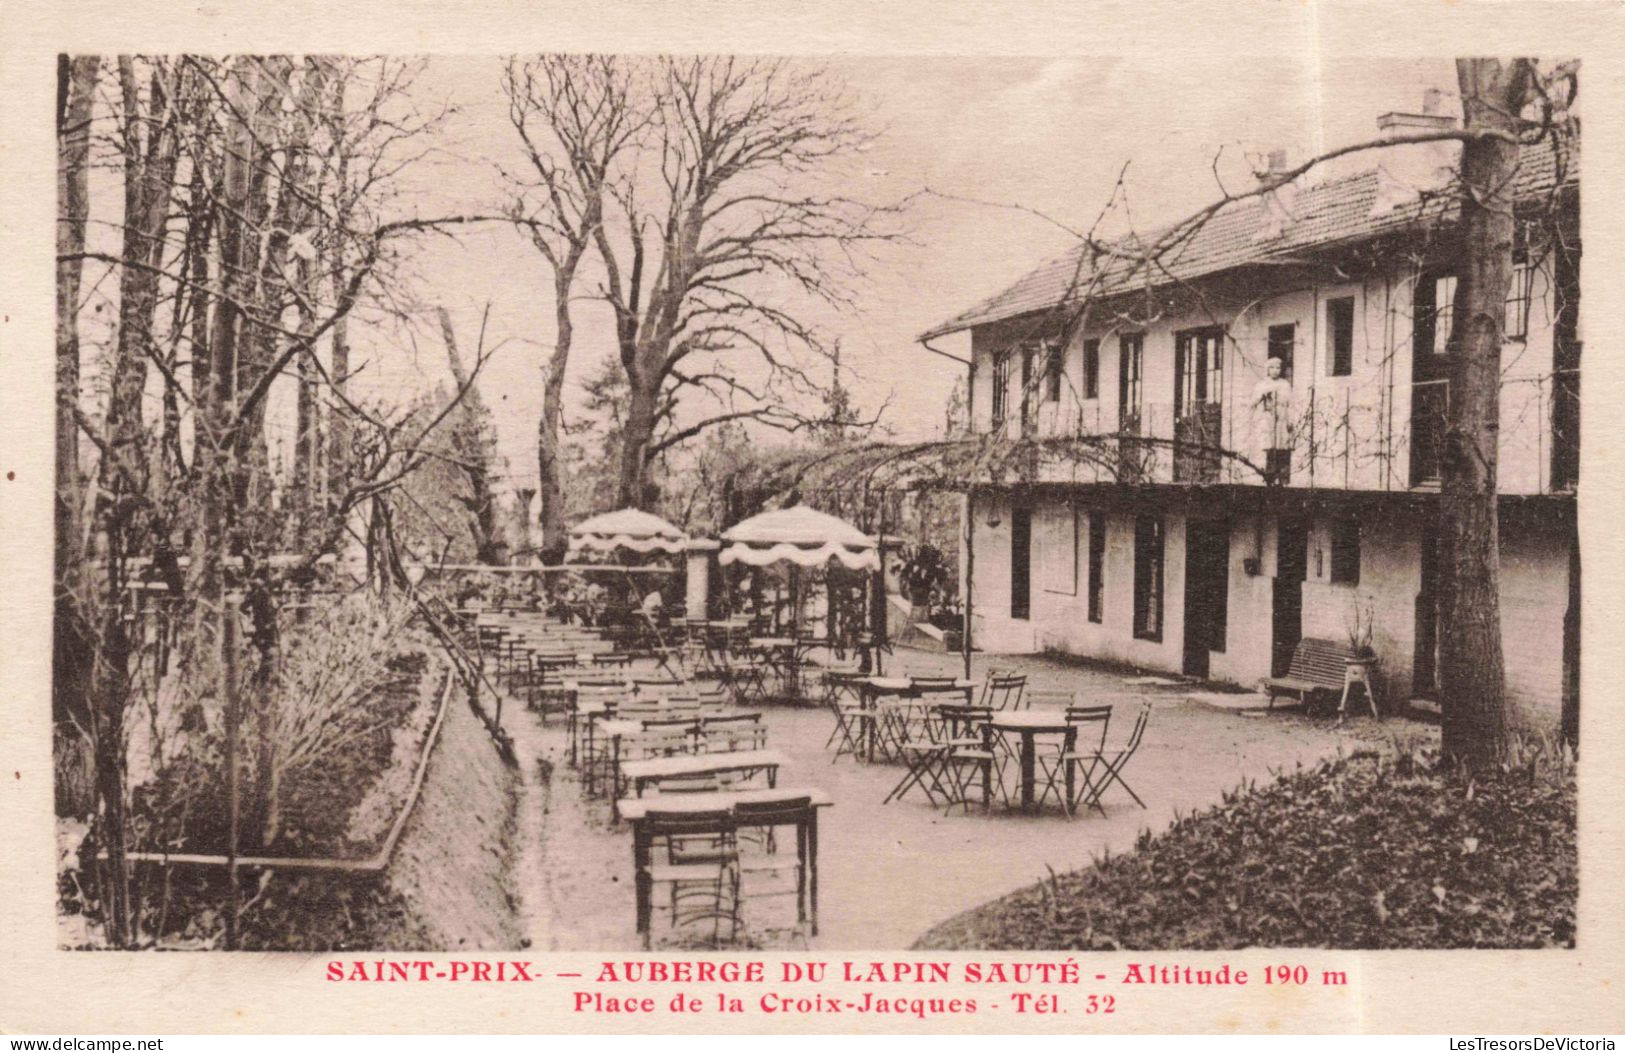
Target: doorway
x,y
1021,566
1291,568
1207,591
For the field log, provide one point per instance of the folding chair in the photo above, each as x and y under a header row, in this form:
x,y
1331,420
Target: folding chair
x,y
841,695
1003,691
926,762
1083,719
1107,768
972,752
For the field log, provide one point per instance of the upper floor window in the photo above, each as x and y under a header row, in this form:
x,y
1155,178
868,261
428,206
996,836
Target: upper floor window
x,y
1517,317
1282,341
1432,312
1054,370
1001,387
1091,369
1200,368
1340,336
1027,356
1131,359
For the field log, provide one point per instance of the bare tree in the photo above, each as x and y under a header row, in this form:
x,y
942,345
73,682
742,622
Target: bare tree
x,y
722,241
256,215
1494,94
574,117
76,90
473,447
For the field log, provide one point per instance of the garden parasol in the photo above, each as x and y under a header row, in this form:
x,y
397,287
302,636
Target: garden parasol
x,y
629,529
802,537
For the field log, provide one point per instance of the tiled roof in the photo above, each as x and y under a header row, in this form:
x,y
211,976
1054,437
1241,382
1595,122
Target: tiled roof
x,y
1338,210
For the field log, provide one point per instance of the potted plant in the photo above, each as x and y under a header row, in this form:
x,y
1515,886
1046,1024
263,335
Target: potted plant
x,y
1359,624
1361,667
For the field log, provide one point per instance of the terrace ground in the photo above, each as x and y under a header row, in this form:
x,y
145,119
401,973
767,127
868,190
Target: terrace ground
x,y
889,872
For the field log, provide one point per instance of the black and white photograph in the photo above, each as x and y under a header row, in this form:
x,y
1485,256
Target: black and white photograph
x,y
682,504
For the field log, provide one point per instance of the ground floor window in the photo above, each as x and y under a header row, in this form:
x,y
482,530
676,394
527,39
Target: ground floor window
x,y
1097,567
1148,546
1346,551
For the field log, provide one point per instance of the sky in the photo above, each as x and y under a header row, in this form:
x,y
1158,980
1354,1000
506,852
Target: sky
x,y
1017,153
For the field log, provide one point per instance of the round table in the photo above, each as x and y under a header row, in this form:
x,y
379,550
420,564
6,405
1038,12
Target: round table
x,y
1029,724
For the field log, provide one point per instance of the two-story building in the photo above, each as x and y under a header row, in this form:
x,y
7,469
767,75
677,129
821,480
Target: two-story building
x,y
1183,511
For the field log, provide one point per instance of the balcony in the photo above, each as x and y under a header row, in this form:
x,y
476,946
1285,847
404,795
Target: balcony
x,y
1372,438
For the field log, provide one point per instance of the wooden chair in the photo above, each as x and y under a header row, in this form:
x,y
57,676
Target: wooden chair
x,y
699,866
756,824
925,760
743,732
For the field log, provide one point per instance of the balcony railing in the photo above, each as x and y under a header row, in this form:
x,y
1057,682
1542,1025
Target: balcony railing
x,y
1375,438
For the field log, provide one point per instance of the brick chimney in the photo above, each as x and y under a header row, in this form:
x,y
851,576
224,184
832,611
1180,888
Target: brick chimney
x,y
1406,172
1278,201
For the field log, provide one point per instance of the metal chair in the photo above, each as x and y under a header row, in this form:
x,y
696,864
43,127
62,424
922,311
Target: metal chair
x,y
1106,767
1003,691
973,751
1082,719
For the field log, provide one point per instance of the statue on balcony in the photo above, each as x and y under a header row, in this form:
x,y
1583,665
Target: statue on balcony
x,y
1272,422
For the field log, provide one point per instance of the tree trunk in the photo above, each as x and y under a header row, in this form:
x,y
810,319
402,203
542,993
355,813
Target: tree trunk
x,y
550,482
1471,667
267,813
307,441
470,447
71,647
633,489
1570,720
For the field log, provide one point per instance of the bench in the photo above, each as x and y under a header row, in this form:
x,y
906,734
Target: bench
x,y
1317,665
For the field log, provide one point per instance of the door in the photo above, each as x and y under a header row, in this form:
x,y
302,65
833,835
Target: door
x,y
1425,656
1291,568
1021,567
1131,453
1207,591
1430,374
1198,402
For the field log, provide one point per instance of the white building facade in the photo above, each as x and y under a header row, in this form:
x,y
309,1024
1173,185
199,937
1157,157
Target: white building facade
x,y
1170,523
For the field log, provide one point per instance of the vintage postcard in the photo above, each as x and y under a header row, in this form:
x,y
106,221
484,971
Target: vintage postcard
x,y
991,517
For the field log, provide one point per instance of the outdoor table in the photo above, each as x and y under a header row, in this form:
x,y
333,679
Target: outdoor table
x,y
1029,724
636,811
899,689
784,655
584,711
641,773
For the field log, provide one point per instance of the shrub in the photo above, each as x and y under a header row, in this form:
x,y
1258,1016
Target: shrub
x,y
1360,852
